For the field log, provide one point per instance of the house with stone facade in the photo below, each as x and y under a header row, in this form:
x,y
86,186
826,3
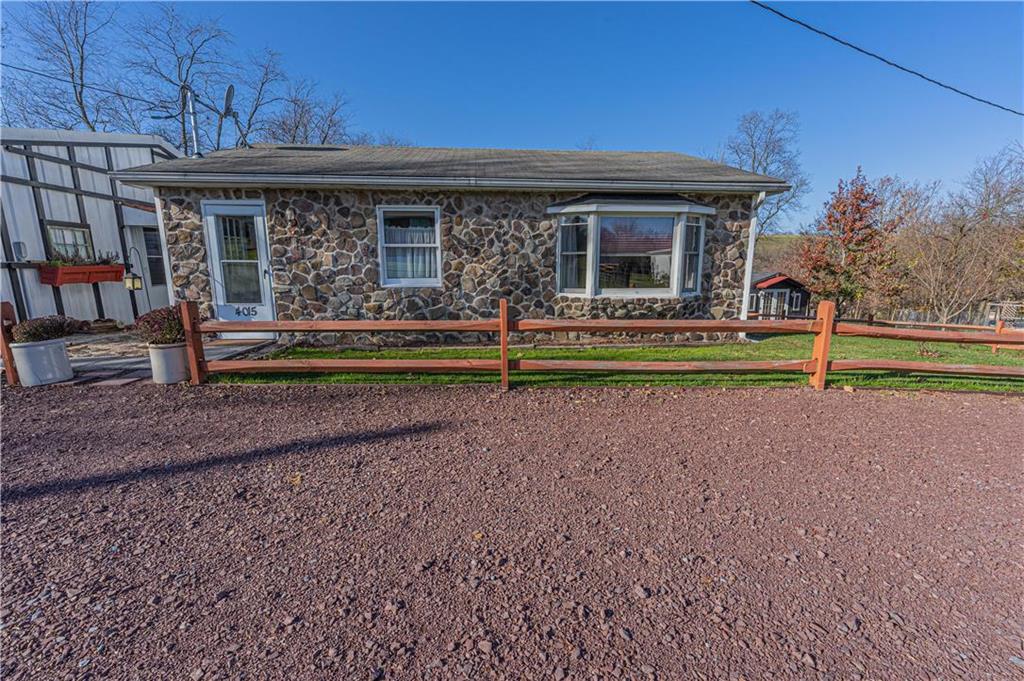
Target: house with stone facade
x,y
343,232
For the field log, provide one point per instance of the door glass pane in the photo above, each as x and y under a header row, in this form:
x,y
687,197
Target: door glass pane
x,y
242,282
238,237
636,252
410,262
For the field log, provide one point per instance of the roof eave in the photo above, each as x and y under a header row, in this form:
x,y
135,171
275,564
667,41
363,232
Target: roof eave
x,y
172,179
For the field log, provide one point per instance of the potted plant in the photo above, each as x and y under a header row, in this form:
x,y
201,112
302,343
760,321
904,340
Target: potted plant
x,y
78,269
162,331
39,350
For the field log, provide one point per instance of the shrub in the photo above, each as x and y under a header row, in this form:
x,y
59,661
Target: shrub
x,y
161,326
102,258
46,328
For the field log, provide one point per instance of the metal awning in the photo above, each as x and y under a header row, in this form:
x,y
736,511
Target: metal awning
x,y
630,203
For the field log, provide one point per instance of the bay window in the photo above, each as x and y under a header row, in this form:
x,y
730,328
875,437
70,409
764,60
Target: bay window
x,y
410,245
630,254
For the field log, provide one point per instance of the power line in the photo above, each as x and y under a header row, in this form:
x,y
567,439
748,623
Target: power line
x,y
71,82
102,89
884,60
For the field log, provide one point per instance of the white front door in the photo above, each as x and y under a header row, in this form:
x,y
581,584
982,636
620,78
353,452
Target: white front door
x,y
236,237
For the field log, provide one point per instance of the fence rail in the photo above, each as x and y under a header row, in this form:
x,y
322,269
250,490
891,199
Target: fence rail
x,y
919,335
886,322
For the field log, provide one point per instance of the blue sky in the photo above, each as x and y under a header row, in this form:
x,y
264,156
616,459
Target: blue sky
x,y
663,76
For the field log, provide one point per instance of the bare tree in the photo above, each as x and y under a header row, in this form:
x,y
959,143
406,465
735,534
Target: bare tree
x,y
66,40
305,118
766,143
162,54
381,139
968,248
262,84
174,53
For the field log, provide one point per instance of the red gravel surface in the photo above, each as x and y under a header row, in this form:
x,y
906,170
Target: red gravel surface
x,y
301,532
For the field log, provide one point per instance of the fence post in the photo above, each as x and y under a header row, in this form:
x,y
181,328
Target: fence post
x,y
193,341
999,326
503,339
7,316
822,343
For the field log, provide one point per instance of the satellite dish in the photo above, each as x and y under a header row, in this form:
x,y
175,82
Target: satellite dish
x,y
229,95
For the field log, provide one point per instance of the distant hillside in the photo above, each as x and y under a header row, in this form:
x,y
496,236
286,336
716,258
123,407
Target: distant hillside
x,y
778,253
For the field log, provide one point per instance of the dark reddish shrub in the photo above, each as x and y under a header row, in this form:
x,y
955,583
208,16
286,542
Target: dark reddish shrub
x,y
161,326
46,328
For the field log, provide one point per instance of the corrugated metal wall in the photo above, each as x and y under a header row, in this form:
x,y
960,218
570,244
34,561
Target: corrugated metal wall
x,y
25,237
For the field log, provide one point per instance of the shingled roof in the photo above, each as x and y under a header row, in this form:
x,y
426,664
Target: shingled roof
x,y
298,165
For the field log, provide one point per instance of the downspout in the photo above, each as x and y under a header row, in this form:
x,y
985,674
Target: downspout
x,y
162,230
748,269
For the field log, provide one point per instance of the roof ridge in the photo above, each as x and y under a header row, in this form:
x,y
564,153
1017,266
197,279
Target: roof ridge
x,y
347,147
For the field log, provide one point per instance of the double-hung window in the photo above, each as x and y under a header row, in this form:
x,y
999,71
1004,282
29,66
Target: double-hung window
x,y
693,244
630,254
410,245
572,265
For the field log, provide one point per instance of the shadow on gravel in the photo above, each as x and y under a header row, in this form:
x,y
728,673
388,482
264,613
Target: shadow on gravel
x,y
252,456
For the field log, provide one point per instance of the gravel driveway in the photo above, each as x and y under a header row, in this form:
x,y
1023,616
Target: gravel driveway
x,y
297,532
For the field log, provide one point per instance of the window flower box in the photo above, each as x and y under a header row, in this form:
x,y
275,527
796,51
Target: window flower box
x,y
62,275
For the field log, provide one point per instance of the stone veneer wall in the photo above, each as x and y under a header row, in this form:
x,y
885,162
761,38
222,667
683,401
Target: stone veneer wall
x,y
323,256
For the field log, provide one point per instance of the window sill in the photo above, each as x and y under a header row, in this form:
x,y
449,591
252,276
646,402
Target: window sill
x,y
632,296
415,283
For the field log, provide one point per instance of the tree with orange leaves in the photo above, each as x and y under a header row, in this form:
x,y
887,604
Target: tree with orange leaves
x,y
850,255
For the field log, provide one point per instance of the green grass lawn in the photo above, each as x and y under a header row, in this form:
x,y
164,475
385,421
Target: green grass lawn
x,y
777,347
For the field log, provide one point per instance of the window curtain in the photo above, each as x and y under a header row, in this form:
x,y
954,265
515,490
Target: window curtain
x,y
410,262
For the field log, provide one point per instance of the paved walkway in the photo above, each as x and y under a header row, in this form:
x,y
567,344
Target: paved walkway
x,y
114,370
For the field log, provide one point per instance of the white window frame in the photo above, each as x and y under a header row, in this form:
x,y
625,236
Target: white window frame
x,y
400,282
675,288
53,228
588,252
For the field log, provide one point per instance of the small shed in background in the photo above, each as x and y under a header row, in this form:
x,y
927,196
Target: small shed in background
x,y
58,198
776,295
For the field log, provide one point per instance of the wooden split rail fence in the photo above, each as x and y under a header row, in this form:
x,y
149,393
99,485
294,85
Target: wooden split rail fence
x,y
823,327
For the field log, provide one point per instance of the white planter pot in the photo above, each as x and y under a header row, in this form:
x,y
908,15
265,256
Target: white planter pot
x,y
42,362
169,363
